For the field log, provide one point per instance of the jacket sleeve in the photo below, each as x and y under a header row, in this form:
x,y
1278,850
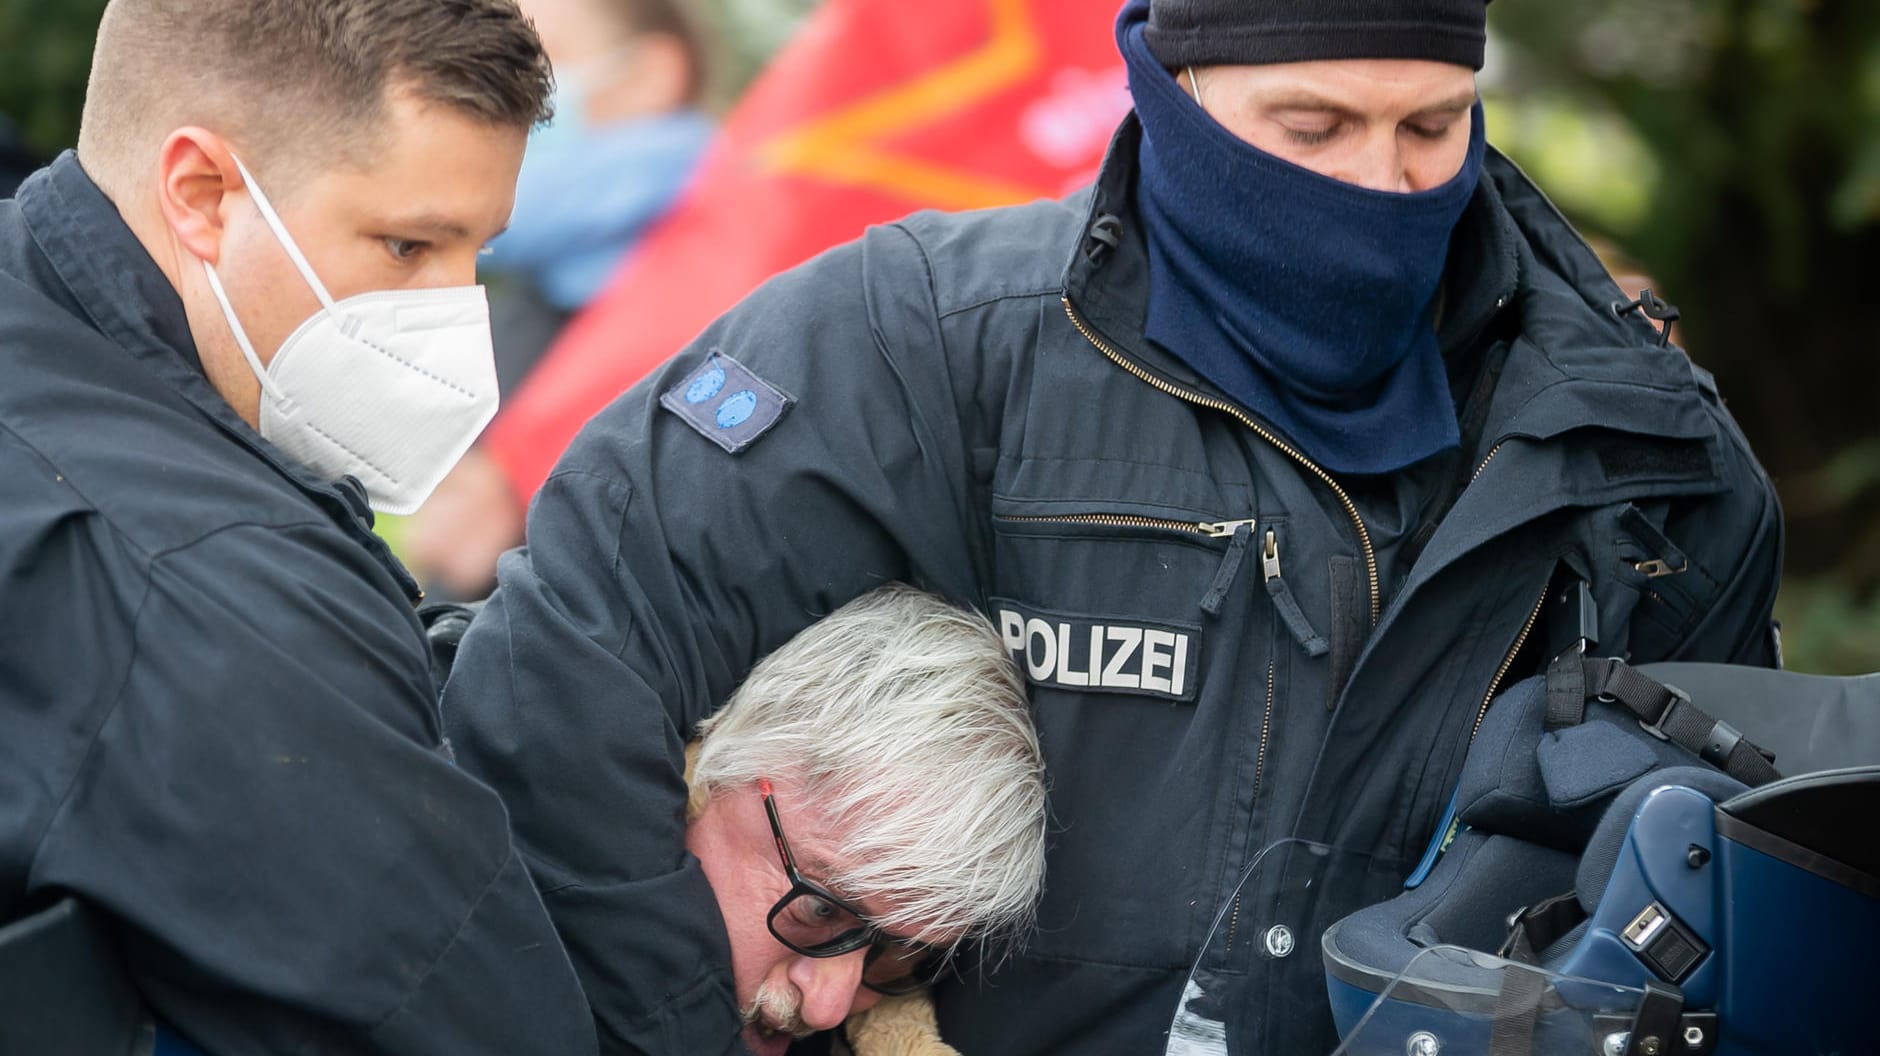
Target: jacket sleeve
x,y
658,569
1737,539
290,862
1739,628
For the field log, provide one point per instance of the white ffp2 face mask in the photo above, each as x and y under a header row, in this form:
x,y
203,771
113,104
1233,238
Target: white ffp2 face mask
x,y
392,386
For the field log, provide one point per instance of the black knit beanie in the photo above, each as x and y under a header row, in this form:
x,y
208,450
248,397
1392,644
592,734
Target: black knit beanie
x,y
1260,32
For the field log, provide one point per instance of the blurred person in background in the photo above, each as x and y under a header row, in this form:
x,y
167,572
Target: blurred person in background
x,y
627,135
1264,453
236,321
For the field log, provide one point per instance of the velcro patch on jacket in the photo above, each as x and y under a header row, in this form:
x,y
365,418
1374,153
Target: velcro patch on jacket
x,y
1101,654
1626,458
726,403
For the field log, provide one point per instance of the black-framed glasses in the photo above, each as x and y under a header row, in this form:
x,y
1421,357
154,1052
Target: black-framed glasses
x,y
813,921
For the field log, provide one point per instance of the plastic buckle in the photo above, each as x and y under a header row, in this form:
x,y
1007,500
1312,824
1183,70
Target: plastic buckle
x,y
1679,698
1720,744
1573,628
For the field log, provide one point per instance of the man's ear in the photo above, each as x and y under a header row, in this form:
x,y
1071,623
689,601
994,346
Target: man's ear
x,y
196,172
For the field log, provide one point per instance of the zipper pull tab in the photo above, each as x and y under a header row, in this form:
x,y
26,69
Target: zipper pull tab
x,y
1226,529
1242,532
1287,605
1658,567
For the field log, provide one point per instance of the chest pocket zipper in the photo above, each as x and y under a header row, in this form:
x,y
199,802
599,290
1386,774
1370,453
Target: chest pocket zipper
x,y
1239,532
1208,529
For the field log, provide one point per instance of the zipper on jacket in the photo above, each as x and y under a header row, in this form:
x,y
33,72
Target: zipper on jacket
x,y
1351,508
1210,529
1259,770
1290,613
1233,924
1492,452
1507,662
1241,532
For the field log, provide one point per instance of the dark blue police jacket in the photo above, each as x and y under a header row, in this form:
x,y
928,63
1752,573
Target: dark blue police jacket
x,y
1226,645
217,718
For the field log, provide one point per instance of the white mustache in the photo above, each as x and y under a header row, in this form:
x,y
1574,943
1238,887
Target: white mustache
x,y
777,1010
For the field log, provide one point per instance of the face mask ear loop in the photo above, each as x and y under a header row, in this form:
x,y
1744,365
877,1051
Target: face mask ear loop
x,y
274,223
241,336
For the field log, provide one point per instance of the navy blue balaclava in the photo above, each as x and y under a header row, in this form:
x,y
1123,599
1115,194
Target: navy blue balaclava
x,y
1309,300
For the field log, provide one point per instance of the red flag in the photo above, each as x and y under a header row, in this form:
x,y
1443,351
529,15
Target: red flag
x,y
877,108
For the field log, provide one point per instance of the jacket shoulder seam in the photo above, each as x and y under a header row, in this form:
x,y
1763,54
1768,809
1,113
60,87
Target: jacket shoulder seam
x,y
940,313
148,555
214,534
926,262
611,483
90,503
1017,295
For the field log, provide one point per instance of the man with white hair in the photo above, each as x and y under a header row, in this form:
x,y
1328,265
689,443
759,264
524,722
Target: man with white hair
x,y
871,798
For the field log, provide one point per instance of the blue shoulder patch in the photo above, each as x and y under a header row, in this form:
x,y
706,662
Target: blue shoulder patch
x,y
726,403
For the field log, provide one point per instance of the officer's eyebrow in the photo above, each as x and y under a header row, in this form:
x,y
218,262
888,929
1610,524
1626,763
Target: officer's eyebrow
x,y
1308,100
435,226
1455,104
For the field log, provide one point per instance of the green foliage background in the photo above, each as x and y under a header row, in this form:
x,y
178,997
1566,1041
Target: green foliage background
x,y
1729,148
45,52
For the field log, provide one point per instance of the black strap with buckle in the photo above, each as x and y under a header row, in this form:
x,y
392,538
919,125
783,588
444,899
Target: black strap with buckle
x,y
1664,711
1667,712
1572,622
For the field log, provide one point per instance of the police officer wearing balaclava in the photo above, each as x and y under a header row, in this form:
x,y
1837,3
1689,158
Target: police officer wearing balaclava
x,y
1262,453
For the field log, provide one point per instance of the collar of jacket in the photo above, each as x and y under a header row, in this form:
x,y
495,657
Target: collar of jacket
x,y
1510,242
119,289
1106,280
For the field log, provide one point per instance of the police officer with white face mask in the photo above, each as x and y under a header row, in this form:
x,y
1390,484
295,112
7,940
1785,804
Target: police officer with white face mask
x,y
240,318
389,386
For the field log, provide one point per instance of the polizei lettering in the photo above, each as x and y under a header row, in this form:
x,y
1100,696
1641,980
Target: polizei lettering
x,y
1106,654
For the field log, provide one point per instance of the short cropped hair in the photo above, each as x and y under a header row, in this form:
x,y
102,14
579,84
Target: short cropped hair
x,y
906,725
300,79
